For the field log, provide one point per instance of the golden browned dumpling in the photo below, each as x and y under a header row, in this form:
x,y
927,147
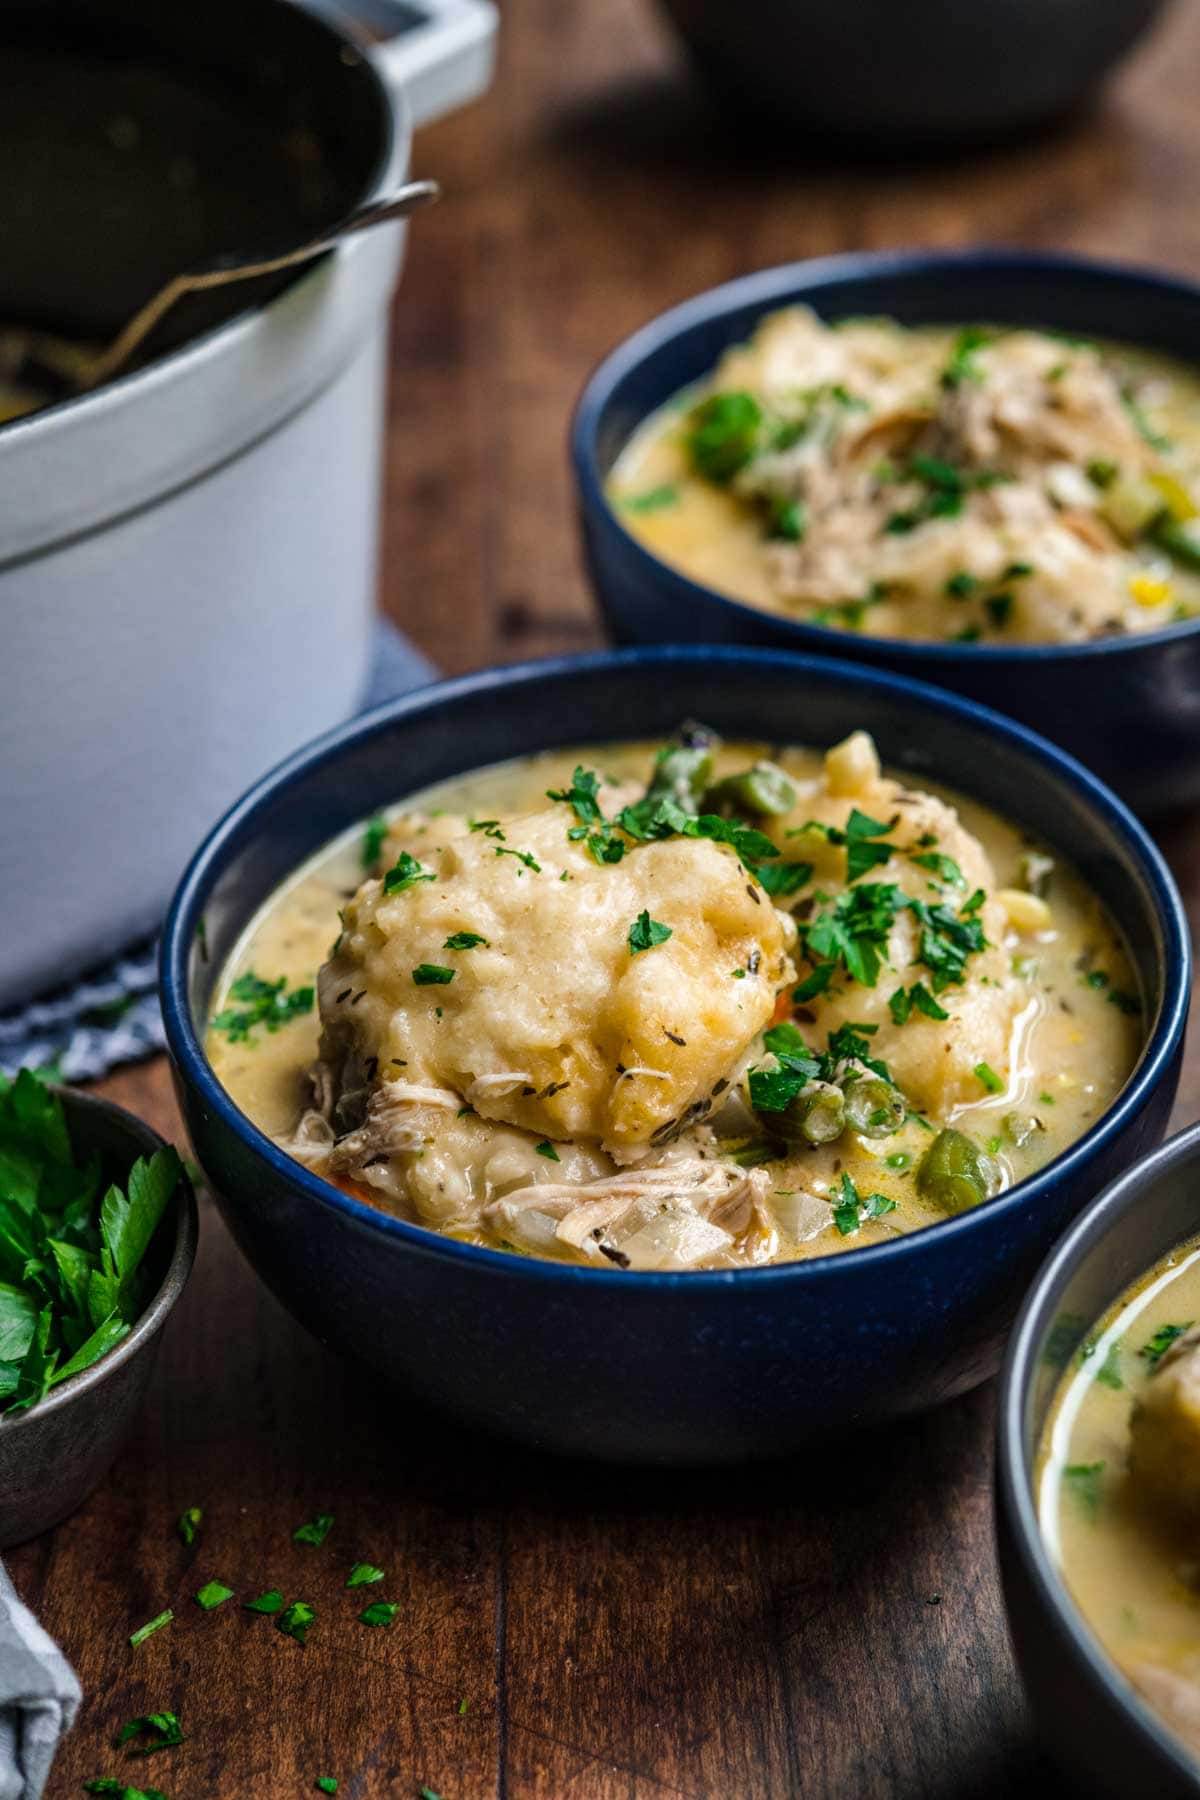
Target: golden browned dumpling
x,y
596,1002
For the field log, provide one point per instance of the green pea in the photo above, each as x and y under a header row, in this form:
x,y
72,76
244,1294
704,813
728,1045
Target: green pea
x,y
816,1116
873,1106
763,790
954,1174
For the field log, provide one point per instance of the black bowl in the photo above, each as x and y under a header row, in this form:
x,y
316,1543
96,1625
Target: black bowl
x,y
52,1456
1129,707
882,75
671,1368
1105,1736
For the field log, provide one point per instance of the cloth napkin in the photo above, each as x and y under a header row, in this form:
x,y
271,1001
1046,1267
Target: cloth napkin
x,y
39,1697
111,1016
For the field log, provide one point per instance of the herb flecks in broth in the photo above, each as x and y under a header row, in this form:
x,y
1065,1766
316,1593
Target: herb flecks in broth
x,y
989,485
686,1005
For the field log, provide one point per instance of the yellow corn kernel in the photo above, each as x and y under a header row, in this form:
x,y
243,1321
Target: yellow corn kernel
x,y
852,766
1180,503
1150,590
1025,911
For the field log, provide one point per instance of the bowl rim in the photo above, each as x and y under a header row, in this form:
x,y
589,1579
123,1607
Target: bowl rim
x,y
82,1110
1014,1485
775,286
187,908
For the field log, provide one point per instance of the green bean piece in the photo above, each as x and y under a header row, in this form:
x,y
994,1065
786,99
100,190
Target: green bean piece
x,y
763,790
1178,540
873,1106
816,1116
954,1174
1034,871
682,774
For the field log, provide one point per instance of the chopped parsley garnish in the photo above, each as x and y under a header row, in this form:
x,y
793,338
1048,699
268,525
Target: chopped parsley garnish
x,y
405,873
108,1784
1096,978
944,867
432,975
1141,423
427,1793
1155,1348
782,878
988,1078
581,796
261,1003
905,1001
1017,571
724,434
851,1210
374,835
213,1593
326,1784
1084,1483
464,940
156,1624
645,933
546,1149
653,500
863,853
1109,1372
1126,1003
270,1602
948,938
316,1531
523,856
380,1612
363,1574
999,609
962,365
188,1524
814,984
962,585
788,520
489,827
295,1620
855,930
161,1729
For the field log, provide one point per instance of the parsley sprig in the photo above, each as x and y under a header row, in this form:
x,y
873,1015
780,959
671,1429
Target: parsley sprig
x,y
260,1002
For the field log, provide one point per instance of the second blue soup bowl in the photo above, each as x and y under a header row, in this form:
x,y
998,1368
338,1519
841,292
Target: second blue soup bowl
x,y
659,1368
1129,707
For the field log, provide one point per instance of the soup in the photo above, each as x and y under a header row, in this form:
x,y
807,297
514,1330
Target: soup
x,y
991,486
683,1005
1119,1487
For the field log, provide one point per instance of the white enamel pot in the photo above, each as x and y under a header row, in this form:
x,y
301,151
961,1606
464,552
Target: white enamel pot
x,y
188,569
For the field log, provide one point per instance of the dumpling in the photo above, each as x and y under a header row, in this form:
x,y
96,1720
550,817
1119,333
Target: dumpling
x,y
603,1003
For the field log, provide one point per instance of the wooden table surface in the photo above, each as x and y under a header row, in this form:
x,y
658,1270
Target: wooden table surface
x,y
832,1629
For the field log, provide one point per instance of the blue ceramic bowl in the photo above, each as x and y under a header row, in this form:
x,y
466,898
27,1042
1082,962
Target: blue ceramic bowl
x,y
1100,1730
1127,707
668,1368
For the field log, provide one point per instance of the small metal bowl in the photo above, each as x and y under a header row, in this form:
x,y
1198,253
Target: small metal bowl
x,y
54,1455
1102,1733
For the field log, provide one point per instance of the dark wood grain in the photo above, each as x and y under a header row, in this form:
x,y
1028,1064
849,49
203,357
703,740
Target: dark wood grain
x,y
827,1628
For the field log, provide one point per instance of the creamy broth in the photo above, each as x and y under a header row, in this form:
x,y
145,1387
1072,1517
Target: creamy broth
x,y
1120,1518
1033,1044
917,483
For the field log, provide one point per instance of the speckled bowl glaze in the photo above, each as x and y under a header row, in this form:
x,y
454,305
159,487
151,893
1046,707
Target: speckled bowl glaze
x,y
1129,707
658,1368
1104,1735
54,1455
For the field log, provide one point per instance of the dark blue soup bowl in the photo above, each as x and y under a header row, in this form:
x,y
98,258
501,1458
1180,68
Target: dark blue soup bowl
x,y
1129,707
659,1368
1099,1728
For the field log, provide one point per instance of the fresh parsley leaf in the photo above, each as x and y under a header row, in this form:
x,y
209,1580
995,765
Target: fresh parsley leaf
x,y
156,1624
724,434
645,933
546,1149
363,1574
380,1612
1109,1372
523,856
213,1593
316,1531
962,365
1084,1481
188,1524
374,835
432,975
464,940
1126,1003
782,878
295,1620
405,873
917,998
851,1210
653,500
944,867
162,1729
581,796
326,1784
270,1602
855,930
814,984
1156,1347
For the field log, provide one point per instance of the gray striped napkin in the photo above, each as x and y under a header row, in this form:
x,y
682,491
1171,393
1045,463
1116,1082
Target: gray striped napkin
x,y
39,1697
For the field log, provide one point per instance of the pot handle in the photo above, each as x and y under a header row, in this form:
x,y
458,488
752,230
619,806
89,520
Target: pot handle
x,y
438,53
